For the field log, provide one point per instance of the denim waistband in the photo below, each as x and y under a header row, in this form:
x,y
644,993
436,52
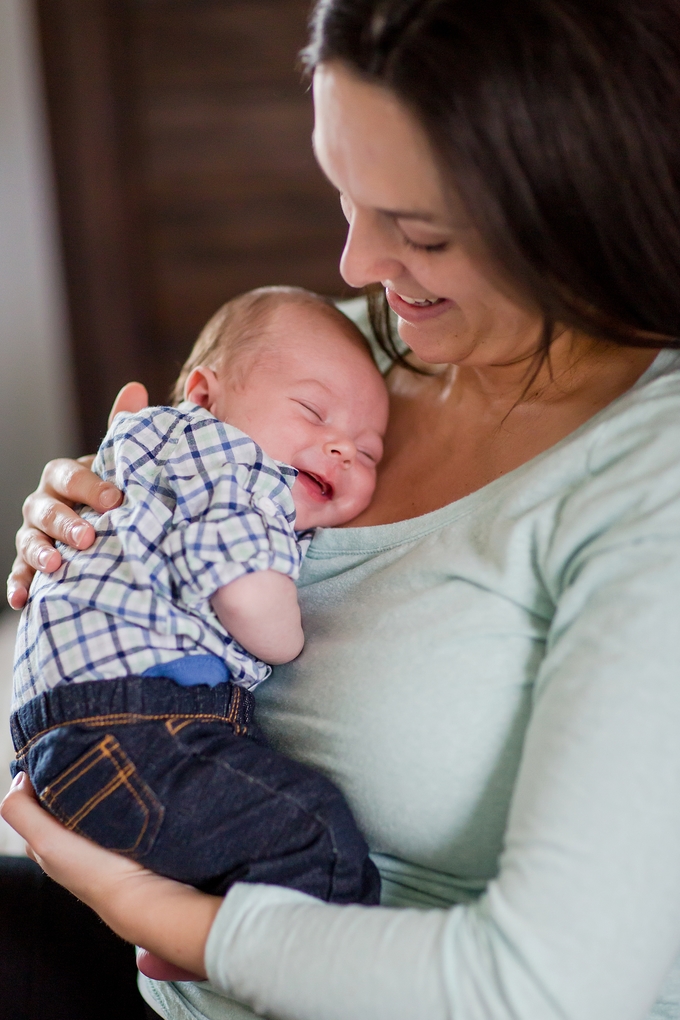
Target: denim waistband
x,y
128,699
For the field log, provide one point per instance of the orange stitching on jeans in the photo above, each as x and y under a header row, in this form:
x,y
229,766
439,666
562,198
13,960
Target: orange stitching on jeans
x,y
106,748
121,779
234,705
173,726
124,768
128,718
79,768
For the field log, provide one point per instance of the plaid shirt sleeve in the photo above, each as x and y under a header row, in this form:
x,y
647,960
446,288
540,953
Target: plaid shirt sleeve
x,y
222,507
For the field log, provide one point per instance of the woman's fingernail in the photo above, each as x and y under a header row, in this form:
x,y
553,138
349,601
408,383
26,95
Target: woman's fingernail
x,y
44,558
78,532
109,497
17,781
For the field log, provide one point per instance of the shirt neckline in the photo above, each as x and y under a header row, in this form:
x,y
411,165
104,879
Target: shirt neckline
x,y
377,538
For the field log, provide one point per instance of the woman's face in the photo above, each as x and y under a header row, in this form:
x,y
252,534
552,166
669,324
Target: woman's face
x,y
410,232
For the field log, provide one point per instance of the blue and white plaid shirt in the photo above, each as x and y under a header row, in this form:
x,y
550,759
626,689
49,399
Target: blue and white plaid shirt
x,y
203,506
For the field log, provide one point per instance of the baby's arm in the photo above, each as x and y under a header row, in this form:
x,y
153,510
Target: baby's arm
x,y
260,610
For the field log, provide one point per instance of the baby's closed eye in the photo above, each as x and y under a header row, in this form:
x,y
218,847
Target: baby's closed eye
x,y
314,411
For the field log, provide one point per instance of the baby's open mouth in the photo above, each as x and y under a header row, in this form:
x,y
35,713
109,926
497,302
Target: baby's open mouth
x,y
317,487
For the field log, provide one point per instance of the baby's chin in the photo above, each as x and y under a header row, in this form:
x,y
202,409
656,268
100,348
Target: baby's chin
x,y
327,516
319,505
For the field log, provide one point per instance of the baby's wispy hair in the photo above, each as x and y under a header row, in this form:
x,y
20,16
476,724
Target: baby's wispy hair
x,y
238,328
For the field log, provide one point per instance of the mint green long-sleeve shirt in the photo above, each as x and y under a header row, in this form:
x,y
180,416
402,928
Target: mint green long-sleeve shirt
x,y
496,688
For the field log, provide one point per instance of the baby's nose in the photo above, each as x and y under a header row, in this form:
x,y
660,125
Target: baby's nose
x,y
342,449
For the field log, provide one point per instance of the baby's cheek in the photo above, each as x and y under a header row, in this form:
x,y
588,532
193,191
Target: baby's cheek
x,y
364,489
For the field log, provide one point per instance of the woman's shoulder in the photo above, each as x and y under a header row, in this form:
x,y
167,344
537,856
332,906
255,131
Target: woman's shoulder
x,y
643,423
625,492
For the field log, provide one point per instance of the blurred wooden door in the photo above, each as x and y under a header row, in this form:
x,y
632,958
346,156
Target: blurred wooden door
x,y
181,138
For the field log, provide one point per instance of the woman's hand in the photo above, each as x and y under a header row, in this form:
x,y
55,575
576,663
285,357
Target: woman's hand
x,y
49,515
167,918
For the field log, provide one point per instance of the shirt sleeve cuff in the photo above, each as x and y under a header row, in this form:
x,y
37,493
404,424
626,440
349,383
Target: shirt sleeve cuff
x,y
230,929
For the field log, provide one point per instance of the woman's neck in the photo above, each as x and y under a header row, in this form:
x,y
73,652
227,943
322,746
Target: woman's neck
x,y
573,365
456,430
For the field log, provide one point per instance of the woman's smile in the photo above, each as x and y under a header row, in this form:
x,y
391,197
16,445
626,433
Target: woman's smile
x,y
408,231
416,310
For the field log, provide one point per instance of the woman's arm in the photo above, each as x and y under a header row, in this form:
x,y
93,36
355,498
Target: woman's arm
x,y
165,917
49,515
583,919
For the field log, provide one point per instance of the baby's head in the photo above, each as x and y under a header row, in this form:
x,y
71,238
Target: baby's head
x,y
286,367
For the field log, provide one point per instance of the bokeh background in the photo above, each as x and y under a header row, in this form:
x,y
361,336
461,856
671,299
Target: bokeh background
x,y
155,160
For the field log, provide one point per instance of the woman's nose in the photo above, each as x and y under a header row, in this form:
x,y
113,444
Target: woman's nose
x,y
367,256
342,449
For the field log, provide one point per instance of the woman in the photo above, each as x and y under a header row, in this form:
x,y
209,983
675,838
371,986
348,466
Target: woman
x,y
492,647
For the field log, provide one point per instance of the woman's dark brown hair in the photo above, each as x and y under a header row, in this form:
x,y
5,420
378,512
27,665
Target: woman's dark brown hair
x,y
558,121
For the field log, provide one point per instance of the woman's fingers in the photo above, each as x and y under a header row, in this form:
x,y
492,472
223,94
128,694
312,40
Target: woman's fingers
x,y
122,892
68,481
47,840
46,518
21,810
19,580
68,858
49,517
133,397
168,918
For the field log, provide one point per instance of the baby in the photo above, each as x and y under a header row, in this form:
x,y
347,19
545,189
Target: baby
x,y
135,661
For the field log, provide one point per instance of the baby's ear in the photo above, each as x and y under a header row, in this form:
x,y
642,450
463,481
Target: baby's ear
x,y
201,387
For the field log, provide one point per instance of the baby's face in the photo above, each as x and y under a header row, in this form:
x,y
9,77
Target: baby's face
x,y
314,399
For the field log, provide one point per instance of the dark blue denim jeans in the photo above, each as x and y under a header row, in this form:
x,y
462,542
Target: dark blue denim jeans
x,y
181,780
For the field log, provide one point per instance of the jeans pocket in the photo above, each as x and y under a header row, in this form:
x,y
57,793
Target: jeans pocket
x,y
102,796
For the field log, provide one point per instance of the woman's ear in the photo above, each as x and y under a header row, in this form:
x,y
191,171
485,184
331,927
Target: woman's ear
x,y
202,387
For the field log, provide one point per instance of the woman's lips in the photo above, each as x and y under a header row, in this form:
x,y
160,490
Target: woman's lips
x,y
317,487
417,313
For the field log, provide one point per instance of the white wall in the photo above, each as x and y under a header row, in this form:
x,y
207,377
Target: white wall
x,y
10,841
36,404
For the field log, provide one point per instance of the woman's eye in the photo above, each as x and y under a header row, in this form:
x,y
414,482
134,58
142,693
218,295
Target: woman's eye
x,y
441,246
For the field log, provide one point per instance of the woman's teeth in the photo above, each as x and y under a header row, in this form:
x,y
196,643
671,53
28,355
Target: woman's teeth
x,y
420,302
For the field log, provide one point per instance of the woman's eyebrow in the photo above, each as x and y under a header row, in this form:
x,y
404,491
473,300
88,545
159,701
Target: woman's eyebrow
x,y
409,214
425,217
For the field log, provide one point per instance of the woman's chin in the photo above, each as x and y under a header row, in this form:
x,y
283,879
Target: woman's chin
x,y
431,342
